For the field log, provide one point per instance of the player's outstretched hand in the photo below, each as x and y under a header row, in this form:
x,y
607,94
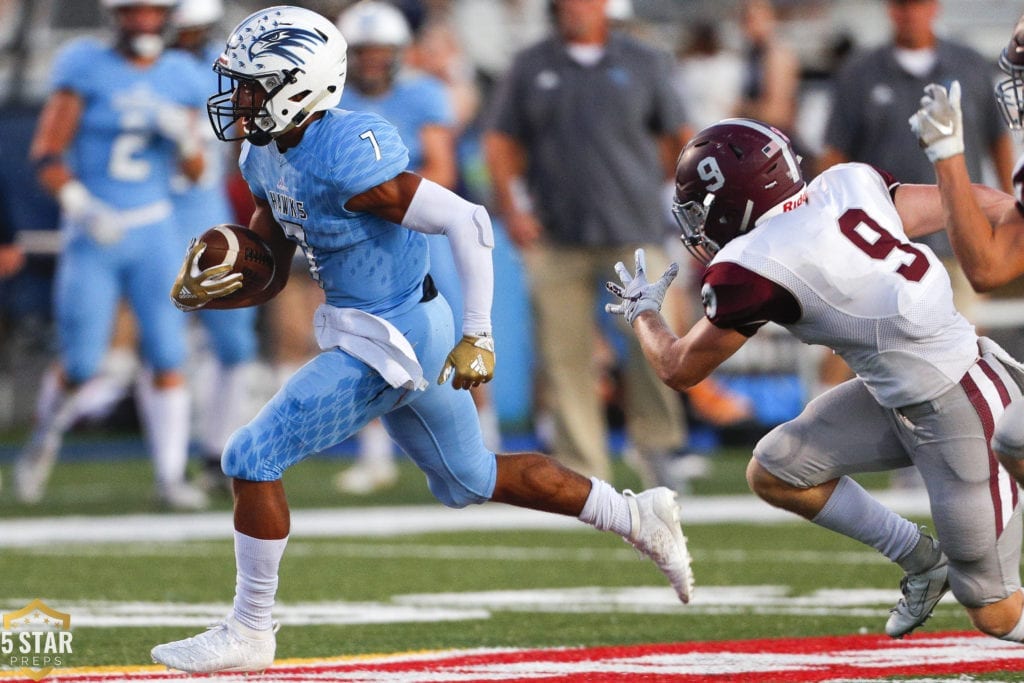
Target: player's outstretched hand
x,y
939,124
637,294
471,362
194,287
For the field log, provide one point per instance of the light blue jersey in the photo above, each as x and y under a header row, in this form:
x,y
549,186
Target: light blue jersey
x,y
363,262
203,204
118,151
360,260
119,154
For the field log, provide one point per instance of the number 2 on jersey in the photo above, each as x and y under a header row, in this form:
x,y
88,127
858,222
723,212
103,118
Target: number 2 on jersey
x,y
855,222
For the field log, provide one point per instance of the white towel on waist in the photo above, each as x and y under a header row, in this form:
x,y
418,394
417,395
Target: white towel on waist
x,y
372,340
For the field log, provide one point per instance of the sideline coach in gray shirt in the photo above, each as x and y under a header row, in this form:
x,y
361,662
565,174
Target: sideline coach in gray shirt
x,y
581,135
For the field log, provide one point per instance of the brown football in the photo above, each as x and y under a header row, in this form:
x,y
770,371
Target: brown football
x,y
246,252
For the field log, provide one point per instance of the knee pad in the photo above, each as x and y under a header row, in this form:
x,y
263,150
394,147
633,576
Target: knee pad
x,y
244,459
1008,438
470,486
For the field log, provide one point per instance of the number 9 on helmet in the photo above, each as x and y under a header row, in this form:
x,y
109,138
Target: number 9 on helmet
x,y
730,176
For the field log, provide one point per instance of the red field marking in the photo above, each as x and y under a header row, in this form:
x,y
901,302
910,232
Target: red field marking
x,y
781,660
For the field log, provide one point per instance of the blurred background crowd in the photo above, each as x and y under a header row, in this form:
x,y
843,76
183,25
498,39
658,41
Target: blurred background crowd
x,y
827,72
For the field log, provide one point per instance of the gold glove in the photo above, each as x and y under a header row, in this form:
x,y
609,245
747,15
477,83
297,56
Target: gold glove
x,y
471,361
194,288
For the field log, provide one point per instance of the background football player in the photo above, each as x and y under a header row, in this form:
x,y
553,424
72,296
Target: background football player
x,y
121,120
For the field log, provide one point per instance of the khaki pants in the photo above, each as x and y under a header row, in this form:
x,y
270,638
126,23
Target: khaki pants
x,y
564,286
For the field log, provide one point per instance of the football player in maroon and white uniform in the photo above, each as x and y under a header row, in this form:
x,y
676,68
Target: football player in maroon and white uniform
x,y
987,233
832,262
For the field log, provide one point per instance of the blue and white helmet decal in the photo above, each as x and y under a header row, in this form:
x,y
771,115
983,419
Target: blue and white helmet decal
x,y
287,42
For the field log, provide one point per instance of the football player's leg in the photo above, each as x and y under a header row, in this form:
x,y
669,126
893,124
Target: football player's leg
x,y
86,293
974,501
1008,440
440,432
801,466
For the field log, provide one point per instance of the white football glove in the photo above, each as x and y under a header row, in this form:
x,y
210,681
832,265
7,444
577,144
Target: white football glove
x,y
637,294
194,288
939,123
90,213
471,361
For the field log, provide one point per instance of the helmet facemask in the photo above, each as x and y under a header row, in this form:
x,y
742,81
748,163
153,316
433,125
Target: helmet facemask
x,y
1010,95
253,122
692,217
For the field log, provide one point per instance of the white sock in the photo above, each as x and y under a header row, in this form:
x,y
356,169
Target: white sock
x,y
256,562
164,415
606,509
375,446
490,427
852,512
227,410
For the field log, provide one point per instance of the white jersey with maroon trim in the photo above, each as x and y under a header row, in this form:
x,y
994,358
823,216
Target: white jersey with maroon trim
x,y
840,271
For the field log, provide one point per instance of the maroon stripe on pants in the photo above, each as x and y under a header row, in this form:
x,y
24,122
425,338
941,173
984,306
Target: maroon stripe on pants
x,y
1004,396
981,407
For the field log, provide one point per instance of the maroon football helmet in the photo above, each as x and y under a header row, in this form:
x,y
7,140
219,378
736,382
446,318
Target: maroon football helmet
x,y
727,177
1010,91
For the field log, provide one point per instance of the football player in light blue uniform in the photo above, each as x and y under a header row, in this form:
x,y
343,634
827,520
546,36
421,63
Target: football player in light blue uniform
x,y
334,182
120,122
419,106
197,206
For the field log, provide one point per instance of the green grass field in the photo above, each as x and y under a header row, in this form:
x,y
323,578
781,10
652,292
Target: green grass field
x,y
761,580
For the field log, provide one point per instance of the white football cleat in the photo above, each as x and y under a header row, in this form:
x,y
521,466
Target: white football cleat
x,y
921,592
365,477
655,532
225,646
182,497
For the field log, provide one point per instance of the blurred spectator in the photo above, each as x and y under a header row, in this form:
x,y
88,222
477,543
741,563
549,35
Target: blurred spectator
x,y
121,120
707,76
12,258
574,143
493,31
771,76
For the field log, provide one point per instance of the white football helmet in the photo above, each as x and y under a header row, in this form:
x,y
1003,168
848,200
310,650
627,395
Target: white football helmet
x,y
147,45
374,23
197,13
295,55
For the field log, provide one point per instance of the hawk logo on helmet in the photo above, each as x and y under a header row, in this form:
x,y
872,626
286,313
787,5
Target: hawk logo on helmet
x,y
285,42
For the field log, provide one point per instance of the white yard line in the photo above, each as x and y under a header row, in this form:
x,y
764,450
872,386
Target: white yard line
x,y
383,521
